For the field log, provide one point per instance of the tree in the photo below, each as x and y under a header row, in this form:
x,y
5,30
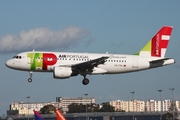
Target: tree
x,y
92,107
75,108
169,115
106,107
47,109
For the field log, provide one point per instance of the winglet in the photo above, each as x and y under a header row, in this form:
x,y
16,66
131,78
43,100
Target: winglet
x,y
59,115
157,46
37,116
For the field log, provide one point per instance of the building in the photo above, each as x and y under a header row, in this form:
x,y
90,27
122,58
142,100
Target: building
x,y
26,108
119,105
143,106
64,102
128,106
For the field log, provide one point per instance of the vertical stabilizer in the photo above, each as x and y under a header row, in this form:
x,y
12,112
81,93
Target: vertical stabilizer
x,y
59,115
37,116
157,46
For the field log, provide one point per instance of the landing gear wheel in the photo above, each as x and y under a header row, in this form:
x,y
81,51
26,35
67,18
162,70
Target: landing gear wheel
x,y
85,81
30,80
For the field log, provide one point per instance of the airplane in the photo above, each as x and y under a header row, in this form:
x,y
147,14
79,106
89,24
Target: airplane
x,y
37,116
59,115
67,64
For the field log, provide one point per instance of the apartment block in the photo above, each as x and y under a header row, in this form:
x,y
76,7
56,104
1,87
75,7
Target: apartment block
x,y
26,108
143,106
64,102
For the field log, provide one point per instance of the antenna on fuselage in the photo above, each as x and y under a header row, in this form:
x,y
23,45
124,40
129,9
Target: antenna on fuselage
x,y
33,50
107,52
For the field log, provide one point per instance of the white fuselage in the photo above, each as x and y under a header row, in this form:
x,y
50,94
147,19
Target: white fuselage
x,y
115,64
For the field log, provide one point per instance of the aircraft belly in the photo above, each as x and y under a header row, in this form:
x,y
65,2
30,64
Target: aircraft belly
x,y
115,68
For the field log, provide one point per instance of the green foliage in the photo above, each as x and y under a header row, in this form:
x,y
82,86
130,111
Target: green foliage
x,y
169,115
47,109
106,107
75,107
80,108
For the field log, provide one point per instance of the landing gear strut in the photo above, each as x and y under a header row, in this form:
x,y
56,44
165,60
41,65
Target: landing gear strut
x,y
30,79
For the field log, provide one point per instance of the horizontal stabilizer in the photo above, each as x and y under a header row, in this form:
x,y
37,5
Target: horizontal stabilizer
x,y
161,62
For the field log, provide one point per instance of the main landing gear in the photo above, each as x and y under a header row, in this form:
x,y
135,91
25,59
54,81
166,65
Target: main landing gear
x,y
85,81
30,79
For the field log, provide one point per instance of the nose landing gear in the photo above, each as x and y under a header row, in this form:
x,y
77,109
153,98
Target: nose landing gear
x,y
30,79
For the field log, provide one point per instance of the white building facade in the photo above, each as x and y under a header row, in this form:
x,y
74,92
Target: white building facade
x,y
64,102
26,108
143,106
119,105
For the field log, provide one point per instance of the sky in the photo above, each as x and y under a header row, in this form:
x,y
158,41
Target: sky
x,y
117,26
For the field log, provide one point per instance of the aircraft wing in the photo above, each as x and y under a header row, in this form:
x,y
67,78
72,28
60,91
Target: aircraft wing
x,y
89,65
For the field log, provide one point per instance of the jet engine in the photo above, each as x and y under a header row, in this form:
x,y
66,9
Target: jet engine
x,y
62,72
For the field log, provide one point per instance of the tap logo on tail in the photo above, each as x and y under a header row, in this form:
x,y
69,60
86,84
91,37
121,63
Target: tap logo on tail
x,y
160,41
157,46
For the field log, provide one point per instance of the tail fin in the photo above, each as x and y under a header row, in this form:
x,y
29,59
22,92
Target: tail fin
x,y
157,46
37,116
59,115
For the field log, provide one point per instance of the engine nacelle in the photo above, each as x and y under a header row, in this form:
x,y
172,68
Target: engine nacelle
x,y
62,72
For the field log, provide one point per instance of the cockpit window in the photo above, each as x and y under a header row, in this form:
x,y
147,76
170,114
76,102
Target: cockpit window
x,y
17,57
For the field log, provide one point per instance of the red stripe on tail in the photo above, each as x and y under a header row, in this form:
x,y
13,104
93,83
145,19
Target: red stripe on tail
x,y
158,43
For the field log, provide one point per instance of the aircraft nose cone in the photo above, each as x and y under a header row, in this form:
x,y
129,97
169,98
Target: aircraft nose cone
x,y
8,63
